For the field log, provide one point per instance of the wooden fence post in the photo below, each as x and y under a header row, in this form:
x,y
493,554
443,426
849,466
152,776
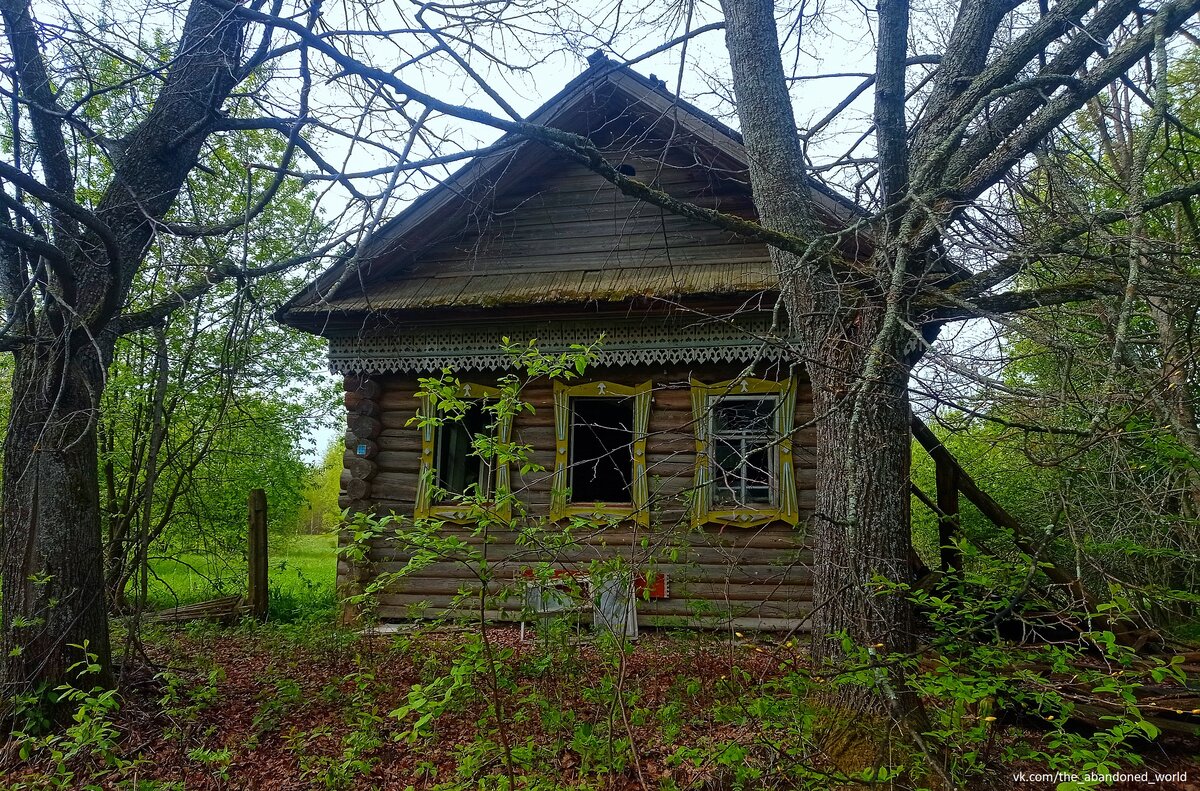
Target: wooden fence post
x,y
256,598
946,478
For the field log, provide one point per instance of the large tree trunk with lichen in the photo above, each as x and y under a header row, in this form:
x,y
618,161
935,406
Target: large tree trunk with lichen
x,y
838,319
54,602
861,530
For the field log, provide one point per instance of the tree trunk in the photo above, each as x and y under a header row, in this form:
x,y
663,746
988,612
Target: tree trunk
x,y
862,530
861,527
53,564
54,600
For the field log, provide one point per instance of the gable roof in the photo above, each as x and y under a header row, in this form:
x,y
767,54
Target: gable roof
x,y
389,275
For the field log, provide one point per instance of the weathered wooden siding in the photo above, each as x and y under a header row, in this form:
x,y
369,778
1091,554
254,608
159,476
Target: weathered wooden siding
x,y
747,577
564,217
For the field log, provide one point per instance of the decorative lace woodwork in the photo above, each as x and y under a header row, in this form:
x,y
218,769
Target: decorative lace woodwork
x,y
462,348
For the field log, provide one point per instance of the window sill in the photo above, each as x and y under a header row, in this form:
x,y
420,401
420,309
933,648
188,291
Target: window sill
x,y
746,517
459,515
622,510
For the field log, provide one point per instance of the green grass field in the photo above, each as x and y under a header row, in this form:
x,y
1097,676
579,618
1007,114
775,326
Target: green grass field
x,y
301,572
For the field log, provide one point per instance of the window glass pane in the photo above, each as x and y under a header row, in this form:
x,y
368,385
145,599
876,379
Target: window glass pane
x,y
758,495
744,452
744,416
601,447
728,455
458,468
757,467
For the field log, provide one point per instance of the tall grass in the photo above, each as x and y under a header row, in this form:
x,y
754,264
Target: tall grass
x,y
301,576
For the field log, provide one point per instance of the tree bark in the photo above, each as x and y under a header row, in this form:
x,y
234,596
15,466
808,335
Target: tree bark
x,y
53,563
54,600
861,528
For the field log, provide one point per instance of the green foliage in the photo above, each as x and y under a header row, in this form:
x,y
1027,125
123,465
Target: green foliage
x,y
214,399
1089,435
320,512
973,679
301,577
90,734
426,702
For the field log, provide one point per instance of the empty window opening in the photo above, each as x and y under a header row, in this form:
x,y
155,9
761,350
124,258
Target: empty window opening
x,y
601,445
744,449
459,469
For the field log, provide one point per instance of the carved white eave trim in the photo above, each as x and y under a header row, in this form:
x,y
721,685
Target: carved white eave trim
x,y
476,347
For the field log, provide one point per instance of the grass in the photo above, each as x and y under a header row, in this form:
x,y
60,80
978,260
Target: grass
x,y
302,571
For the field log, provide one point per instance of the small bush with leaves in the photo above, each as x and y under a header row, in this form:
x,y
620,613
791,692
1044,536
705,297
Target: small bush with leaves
x,y
91,734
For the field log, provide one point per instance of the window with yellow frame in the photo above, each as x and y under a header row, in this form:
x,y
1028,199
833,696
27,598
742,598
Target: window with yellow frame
x,y
449,464
600,450
745,474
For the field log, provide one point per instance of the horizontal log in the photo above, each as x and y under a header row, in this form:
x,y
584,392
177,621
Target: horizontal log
x,y
359,467
363,387
416,585
407,438
760,574
405,605
224,609
399,461
397,419
400,397
580,555
717,612
673,466
799,624
348,503
671,442
366,407
364,426
365,448
777,537
397,486
733,596
382,506
740,592
404,612
541,437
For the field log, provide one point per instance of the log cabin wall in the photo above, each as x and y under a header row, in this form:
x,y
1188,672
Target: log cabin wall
x,y
736,577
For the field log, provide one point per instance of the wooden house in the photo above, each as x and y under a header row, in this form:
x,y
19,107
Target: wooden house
x,y
689,442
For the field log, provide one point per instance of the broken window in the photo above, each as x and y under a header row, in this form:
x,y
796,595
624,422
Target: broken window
x,y
449,464
601,463
745,471
600,450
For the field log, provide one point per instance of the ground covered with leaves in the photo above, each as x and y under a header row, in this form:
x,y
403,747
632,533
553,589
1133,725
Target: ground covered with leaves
x,y
312,707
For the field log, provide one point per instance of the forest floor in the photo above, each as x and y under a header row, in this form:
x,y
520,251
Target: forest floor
x,y
309,706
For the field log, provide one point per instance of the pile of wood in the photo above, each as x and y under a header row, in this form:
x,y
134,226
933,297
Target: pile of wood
x,y
226,610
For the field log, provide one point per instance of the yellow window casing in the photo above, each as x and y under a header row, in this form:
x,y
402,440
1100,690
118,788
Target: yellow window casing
x,y
449,512
785,508
639,507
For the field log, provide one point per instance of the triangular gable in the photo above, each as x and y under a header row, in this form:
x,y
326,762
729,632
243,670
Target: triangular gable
x,y
474,239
